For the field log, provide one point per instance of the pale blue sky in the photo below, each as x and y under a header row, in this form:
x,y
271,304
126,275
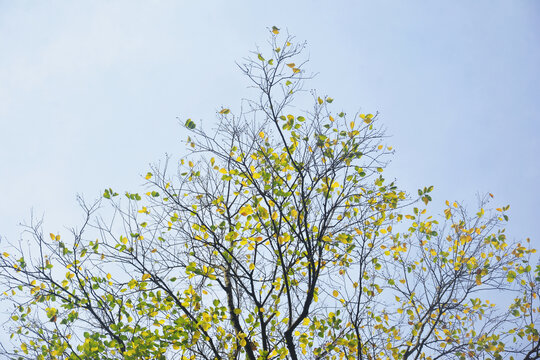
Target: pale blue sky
x,y
90,91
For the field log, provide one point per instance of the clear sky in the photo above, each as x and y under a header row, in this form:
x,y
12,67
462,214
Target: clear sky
x,y
90,91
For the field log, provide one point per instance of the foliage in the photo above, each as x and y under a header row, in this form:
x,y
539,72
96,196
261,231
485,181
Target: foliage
x,y
278,238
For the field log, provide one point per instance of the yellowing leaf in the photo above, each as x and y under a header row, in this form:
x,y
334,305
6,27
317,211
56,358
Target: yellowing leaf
x,y
296,70
145,277
261,135
225,111
306,322
148,176
319,100
259,56
190,125
335,293
275,30
109,276
291,65
5,254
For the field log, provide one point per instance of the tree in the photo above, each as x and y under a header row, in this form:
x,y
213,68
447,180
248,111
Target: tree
x,y
278,238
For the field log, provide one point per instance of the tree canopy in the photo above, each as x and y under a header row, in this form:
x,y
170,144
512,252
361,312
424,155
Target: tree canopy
x,y
278,237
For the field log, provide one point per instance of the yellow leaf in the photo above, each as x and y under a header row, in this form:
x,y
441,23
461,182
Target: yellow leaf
x,y
5,254
225,111
109,276
291,65
57,238
252,266
261,135
275,30
246,210
296,70
223,171
335,293
145,277
148,176
274,215
52,236
319,100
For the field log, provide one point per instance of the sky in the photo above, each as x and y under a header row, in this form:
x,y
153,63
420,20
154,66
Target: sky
x,y
91,92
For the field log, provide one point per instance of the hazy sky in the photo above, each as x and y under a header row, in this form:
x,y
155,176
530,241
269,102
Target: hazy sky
x,y
90,91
